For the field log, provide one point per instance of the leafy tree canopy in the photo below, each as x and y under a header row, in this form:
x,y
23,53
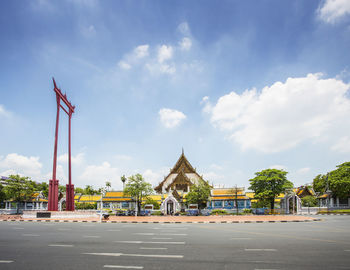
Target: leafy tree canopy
x,y
269,183
138,188
309,201
319,183
339,180
199,194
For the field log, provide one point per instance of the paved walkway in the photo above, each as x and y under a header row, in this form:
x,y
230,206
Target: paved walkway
x,y
174,219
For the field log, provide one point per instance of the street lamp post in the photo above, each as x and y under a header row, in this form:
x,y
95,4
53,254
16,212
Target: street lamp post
x,y
328,192
103,192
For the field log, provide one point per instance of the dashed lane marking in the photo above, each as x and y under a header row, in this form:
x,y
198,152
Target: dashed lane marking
x,y
260,249
17,228
151,242
145,233
241,238
151,248
29,234
123,266
161,238
178,234
136,255
4,261
113,230
91,236
58,245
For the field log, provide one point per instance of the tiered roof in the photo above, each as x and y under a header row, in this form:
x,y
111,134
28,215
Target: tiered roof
x,y
181,173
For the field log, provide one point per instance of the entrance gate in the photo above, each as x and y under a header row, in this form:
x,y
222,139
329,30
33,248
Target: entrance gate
x,y
53,183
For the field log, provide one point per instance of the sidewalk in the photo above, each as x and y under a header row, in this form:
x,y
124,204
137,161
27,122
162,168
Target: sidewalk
x,y
174,219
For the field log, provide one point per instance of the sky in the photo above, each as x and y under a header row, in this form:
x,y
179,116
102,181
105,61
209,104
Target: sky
x,y
241,86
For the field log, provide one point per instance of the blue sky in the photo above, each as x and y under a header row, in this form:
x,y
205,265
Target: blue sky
x,y
240,85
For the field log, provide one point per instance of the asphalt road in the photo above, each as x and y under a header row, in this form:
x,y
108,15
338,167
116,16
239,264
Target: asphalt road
x,y
312,245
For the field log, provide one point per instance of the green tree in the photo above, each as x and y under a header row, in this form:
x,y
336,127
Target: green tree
x,y
89,190
199,194
149,200
309,201
138,188
108,185
3,196
79,190
19,189
339,180
268,184
319,183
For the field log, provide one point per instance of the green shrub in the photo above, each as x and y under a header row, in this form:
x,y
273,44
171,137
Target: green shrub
x,y
247,211
156,213
338,211
85,206
219,212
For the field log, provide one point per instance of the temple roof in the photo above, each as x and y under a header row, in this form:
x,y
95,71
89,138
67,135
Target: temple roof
x,y
182,166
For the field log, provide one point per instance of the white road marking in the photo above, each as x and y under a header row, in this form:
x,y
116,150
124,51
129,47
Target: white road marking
x,y
91,236
264,269
169,229
151,248
57,245
347,250
150,242
136,255
161,238
28,234
113,230
123,266
260,249
241,238
3,261
173,234
17,228
145,233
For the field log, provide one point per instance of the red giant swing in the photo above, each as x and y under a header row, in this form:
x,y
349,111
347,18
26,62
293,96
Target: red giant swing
x,y
53,184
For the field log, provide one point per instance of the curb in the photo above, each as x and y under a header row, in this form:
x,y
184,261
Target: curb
x,y
165,222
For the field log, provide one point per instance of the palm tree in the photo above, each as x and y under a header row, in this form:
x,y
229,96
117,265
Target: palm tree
x,y
123,178
108,185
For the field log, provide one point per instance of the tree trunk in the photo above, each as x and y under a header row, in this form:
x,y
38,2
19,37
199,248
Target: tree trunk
x,y
272,203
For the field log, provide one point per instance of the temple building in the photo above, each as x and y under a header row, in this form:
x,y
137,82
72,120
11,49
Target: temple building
x,y
176,185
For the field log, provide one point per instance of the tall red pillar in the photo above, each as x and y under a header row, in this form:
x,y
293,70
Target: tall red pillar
x,y
53,183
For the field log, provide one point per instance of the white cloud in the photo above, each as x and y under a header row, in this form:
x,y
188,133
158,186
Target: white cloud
x,y
283,115
303,170
279,167
165,53
216,167
342,145
18,164
97,175
123,157
76,160
207,105
185,44
184,29
141,51
171,118
333,10
4,112
124,65
212,177
134,57
154,177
